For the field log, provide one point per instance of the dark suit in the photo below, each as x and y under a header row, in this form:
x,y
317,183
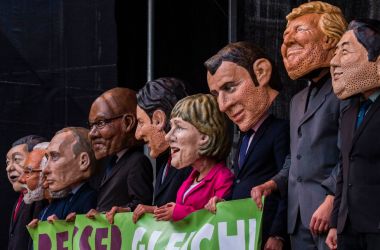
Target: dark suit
x,y
265,157
129,183
18,234
80,202
167,191
310,171
357,200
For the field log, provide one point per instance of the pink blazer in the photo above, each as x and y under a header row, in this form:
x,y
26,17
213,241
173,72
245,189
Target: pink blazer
x,y
218,182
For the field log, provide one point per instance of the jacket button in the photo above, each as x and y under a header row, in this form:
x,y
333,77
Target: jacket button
x,y
352,158
299,179
237,181
298,157
349,185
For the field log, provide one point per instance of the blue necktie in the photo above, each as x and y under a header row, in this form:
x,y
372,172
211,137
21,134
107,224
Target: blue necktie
x,y
244,147
110,164
362,111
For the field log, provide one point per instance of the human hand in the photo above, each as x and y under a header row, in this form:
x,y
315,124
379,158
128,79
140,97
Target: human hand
x,y
33,224
319,222
140,210
52,218
211,204
264,189
111,214
274,243
165,212
71,217
91,214
331,239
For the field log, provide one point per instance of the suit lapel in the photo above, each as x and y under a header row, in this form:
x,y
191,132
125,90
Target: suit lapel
x,y
348,126
316,102
206,179
114,169
13,222
162,186
256,138
372,110
200,184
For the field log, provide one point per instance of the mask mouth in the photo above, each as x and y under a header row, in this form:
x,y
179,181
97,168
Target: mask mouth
x,y
336,75
293,50
174,150
14,177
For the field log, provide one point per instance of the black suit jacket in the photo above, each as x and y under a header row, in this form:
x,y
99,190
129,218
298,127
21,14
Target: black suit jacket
x,y
167,191
129,183
358,184
265,157
80,202
18,234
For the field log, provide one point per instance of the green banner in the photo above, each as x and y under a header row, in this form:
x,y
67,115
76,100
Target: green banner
x,y
236,225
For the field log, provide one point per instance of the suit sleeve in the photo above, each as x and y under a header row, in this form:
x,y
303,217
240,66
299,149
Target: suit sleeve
x,y
330,183
140,183
337,199
282,177
283,160
281,151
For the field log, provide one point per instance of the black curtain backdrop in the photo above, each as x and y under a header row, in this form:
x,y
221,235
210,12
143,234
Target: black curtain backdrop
x,y
58,56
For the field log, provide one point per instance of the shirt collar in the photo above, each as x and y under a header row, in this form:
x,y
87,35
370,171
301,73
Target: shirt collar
x,y
262,119
120,154
374,96
76,188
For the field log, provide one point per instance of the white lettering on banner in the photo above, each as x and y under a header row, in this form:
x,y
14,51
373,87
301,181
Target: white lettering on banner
x,y
174,239
204,233
252,234
153,239
235,242
181,241
184,247
137,237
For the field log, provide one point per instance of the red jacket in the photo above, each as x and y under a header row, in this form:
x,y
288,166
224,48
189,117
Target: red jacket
x,y
218,182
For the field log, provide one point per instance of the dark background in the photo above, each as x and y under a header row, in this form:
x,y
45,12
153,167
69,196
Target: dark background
x,y
57,56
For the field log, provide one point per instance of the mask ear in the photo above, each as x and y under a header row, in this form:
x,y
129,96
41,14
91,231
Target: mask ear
x,y
329,43
263,71
128,122
204,139
159,119
84,161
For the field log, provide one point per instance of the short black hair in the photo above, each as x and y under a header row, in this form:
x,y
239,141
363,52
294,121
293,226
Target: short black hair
x,y
244,54
30,141
162,93
367,31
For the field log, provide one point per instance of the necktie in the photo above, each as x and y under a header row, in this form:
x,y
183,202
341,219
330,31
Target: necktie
x,y
244,146
362,111
310,96
17,208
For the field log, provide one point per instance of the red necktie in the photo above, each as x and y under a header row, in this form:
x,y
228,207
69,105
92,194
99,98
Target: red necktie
x,y
17,208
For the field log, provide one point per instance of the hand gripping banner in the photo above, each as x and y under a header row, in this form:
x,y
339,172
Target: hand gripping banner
x,y
236,225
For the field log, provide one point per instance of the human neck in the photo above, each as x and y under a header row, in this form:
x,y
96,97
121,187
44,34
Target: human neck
x,y
272,94
368,93
203,165
321,74
316,75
